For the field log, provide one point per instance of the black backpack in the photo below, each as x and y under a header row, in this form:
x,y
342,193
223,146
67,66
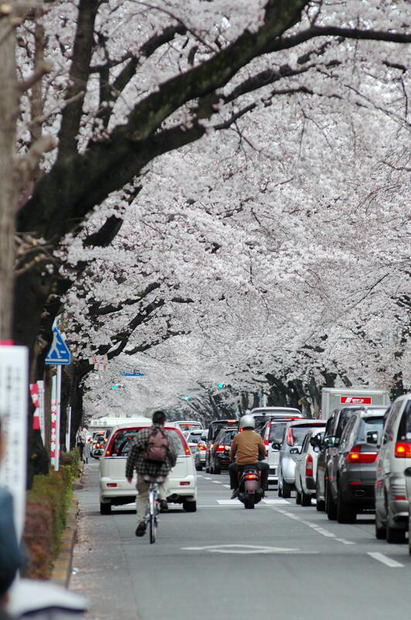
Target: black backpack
x,y
157,446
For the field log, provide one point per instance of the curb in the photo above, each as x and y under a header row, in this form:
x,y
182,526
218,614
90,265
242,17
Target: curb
x,y
63,565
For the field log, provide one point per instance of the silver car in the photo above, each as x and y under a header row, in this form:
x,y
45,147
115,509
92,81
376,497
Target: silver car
x,y
394,457
306,466
294,435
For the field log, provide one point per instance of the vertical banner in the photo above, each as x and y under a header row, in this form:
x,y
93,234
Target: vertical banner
x,y
41,410
14,388
53,424
34,391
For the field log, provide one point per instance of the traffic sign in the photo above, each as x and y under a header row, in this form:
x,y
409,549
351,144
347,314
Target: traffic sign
x,y
58,353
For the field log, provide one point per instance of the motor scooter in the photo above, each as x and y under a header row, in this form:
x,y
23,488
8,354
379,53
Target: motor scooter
x,y
249,485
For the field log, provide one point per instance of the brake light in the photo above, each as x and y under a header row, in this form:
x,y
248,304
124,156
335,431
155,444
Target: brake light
x,y
251,477
110,447
403,450
112,484
309,466
364,458
184,484
201,446
220,448
290,437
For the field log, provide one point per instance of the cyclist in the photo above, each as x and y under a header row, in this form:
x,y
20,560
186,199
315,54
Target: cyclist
x,y
137,460
247,448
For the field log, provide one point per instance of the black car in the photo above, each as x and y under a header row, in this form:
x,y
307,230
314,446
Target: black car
x,y
213,429
220,452
332,435
352,471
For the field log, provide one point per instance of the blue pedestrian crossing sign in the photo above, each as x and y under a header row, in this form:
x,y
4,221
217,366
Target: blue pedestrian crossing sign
x,y
58,352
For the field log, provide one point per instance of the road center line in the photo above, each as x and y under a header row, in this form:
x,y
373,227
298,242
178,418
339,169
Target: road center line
x,y
315,527
217,482
380,557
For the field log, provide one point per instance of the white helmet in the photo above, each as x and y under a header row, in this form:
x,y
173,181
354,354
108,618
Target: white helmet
x,y
247,421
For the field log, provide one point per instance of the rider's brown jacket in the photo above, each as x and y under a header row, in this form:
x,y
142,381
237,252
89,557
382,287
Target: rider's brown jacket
x,y
247,447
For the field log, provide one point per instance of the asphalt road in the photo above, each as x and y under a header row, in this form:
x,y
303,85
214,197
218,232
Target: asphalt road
x,y
278,561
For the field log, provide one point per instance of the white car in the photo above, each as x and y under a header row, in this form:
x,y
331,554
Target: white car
x,y
114,488
306,467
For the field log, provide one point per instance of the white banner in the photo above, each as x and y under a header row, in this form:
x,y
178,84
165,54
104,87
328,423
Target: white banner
x,y
14,390
41,411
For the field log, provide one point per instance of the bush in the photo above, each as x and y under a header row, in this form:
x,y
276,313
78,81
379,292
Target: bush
x,y
48,503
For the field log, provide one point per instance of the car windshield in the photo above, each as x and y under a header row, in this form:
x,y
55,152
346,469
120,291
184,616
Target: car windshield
x,y
277,432
125,438
343,419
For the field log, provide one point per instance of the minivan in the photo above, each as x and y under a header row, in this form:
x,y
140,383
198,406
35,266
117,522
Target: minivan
x,y
391,504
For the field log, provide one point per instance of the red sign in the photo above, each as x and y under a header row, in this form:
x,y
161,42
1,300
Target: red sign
x,y
356,400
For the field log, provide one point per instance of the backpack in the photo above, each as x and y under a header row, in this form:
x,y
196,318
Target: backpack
x,y
157,447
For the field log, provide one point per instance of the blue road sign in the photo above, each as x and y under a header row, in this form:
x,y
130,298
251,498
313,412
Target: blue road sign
x,y
58,352
132,374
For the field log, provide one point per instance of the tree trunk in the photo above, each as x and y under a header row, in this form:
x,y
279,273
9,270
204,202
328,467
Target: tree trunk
x,y
8,192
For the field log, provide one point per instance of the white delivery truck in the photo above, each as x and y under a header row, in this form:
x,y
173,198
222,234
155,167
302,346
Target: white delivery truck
x,y
331,398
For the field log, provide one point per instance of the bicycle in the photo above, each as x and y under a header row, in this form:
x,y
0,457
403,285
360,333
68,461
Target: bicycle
x,y
153,507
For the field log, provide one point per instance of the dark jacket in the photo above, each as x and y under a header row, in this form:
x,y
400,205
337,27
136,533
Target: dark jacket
x,y
10,557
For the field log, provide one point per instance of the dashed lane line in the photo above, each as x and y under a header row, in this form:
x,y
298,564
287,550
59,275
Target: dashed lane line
x,y
380,557
315,527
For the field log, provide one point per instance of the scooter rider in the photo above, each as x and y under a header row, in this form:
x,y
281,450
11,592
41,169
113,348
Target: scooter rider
x,y
247,448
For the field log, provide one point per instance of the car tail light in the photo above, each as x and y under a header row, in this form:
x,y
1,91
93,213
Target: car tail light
x,y
201,446
400,498
403,450
220,448
309,468
184,484
356,456
110,447
290,437
112,484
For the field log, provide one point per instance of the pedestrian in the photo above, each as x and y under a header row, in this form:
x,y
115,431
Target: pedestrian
x,y
11,559
80,441
87,450
139,459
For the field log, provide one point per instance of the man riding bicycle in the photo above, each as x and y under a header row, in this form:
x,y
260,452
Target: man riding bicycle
x,y
247,448
137,460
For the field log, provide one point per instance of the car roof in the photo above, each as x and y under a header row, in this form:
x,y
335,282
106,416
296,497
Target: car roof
x,y
307,422
266,410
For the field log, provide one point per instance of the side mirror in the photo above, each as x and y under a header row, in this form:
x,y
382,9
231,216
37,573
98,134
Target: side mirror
x,y
276,446
315,442
407,472
295,451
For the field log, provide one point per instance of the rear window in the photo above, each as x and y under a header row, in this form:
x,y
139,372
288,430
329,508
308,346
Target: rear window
x,y
193,437
124,439
299,432
404,429
277,432
369,425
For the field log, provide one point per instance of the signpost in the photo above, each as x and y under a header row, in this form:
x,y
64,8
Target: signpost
x,y
13,410
58,356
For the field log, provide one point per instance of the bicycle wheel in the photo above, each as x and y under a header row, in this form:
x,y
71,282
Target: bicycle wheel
x,y
152,517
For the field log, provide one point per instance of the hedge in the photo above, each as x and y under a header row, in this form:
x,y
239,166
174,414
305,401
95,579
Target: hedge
x,y
47,506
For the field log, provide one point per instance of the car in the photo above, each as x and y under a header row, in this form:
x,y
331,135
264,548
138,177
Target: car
x,y
262,414
294,434
407,473
332,434
193,438
273,435
212,431
352,469
113,486
306,466
220,453
394,457
200,454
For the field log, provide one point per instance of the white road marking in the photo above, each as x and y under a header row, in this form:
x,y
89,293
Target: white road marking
x,y
246,549
276,502
345,542
227,486
207,478
380,557
316,528
217,482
